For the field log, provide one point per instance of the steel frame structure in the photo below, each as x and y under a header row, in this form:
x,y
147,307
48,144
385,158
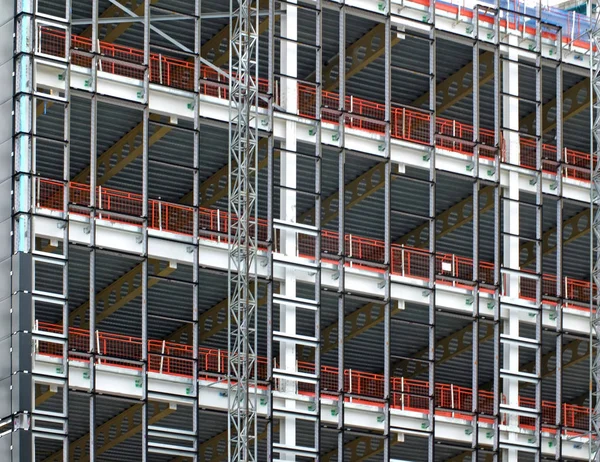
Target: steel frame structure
x,y
270,421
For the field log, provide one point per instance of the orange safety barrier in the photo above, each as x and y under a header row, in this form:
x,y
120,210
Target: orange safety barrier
x,y
413,125
125,207
128,62
406,394
407,124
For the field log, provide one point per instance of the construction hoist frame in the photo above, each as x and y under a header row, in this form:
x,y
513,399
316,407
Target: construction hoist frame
x,y
242,231
595,235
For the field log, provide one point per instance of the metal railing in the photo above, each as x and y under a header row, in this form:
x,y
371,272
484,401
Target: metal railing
x,y
408,124
176,359
366,253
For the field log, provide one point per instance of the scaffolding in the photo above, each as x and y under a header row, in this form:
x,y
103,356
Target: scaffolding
x,y
595,235
243,231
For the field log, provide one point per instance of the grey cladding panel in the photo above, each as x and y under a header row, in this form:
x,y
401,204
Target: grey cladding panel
x,y
22,352
5,239
5,318
5,362
6,89
7,12
23,312
5,399
21,277
5,279
6,126
6,160
5,202
6,42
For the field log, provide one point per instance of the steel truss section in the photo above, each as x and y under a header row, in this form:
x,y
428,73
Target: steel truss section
x,y
242,231
595,235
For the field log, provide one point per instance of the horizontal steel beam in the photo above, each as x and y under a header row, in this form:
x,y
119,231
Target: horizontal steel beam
x,y
113,432
573,228
460,84
116,295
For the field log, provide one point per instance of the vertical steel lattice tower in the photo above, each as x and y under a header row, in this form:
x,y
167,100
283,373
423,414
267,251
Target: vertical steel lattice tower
x,y
595,236
242,230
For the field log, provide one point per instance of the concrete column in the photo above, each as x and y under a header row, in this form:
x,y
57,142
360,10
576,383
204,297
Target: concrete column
x,y
288,243
511,227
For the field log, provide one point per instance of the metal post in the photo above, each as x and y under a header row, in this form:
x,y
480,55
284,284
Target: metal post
x,y
242,231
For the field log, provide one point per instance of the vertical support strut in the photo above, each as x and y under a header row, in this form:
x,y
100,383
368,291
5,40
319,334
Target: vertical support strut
x,y
595,235
242,230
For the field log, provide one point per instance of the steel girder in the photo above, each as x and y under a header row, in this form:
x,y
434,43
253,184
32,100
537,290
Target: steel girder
x,y
575,100
114,31
114,431
120,292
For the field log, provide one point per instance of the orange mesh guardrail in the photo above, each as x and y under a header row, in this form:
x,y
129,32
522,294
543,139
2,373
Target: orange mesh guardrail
x,y
366,253
407,124
406,394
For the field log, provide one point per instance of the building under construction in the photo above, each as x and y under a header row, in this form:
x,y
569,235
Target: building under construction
x,y
296,230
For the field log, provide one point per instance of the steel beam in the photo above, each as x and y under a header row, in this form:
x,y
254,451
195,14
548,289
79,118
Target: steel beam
x,y
454,88
211,322
128,148
114,431
361,449
42,396
357,322
122,153
214,188
452,218
460,84
572,350
215,449
359,55
216,49
113,297
573,228
115,30
467,456
358,189
581,399
449,347
575,100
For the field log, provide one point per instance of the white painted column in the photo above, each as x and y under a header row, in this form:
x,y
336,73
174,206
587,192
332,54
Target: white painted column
x,y
288,247
511,225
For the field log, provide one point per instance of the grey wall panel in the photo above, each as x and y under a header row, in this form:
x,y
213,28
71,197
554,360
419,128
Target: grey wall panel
x,y
6,89
5,279
6,160
22,401
22,352
5,202
6,125
5,318
6,42
22,273
5,444
5,399
5,366
5,240
7,12
22,312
